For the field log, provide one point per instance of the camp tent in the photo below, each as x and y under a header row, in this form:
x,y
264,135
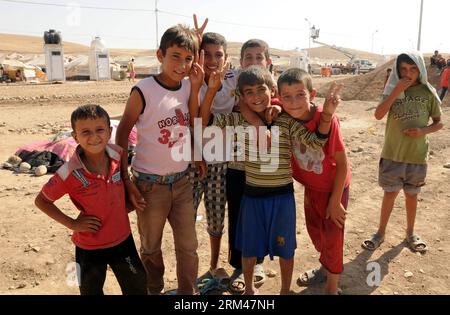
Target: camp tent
x,y
38,61
143,65
11,67
78,69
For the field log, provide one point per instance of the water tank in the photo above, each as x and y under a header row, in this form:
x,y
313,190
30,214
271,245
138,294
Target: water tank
x,y
52,37
299,59
98,44
99,66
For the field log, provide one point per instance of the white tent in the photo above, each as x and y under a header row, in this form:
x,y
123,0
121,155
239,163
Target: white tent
x,y
78,68
11,66
144,65
14,56
38,61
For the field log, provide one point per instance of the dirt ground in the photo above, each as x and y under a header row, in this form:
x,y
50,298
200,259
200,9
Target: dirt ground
x,y
35,251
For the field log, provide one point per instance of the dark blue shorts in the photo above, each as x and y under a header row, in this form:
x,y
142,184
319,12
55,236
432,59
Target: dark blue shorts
x,y
266,226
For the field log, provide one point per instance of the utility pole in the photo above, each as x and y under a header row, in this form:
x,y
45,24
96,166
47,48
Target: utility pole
x,y
309,32
156,14
420,25
373,35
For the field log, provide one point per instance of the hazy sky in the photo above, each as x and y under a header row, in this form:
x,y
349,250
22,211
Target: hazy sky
x,y
132,24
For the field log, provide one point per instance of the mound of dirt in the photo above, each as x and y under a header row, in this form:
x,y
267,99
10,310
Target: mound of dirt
x,y
366,87
369,87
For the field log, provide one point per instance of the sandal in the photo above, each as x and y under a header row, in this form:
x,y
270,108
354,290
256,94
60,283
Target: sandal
x,y
373,243
259,276
416,244
312,276
213,284
221,275
237,284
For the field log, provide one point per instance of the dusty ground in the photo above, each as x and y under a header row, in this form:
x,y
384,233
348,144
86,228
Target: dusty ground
x,y
34,251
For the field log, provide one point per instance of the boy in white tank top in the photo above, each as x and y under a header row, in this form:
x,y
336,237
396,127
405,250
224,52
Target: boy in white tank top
x,y
160,107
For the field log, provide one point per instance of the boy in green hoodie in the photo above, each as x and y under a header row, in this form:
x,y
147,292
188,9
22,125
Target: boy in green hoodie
x,y
410,101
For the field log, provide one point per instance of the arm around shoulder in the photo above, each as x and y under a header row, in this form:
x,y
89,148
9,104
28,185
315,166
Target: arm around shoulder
x,y
314,140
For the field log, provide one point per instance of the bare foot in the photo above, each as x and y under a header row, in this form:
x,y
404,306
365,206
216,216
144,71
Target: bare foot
x,y
251,291
338,292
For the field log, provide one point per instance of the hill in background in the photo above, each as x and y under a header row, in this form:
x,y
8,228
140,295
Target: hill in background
x,y
23,44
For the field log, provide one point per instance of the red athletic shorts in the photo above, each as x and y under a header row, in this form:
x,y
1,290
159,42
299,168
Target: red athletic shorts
x,y
327,238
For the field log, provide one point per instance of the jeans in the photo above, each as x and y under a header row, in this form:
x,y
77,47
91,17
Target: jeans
x,y
172,202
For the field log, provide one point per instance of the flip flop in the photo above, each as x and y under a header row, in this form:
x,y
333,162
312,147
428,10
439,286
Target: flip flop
x,y
208,285
221,275
312,276
416,244
373,243
237,284
259,276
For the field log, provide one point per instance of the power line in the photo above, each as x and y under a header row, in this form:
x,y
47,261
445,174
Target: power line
x,y
236,24
156,11
79,6
153,11
77,34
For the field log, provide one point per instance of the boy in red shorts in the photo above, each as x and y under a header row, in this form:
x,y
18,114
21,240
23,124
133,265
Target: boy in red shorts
x,y
324,172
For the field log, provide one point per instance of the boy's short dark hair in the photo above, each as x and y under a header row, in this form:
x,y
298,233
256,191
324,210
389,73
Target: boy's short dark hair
x,y
404,58
179,35
255,75
295,75
255,43
89,111
214,39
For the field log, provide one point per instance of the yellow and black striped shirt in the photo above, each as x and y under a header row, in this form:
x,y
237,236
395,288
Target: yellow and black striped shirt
x,y
270,172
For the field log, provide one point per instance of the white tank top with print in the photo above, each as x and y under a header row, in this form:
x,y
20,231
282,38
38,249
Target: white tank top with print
x,y
163,145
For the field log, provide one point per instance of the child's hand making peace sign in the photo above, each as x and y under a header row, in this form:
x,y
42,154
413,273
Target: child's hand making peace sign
x,y
333,99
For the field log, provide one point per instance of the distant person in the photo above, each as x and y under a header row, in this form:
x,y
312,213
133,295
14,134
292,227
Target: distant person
x,y
1,74
410,101
434,58
440,62
445,80
388,73
101,232
19,76
131,70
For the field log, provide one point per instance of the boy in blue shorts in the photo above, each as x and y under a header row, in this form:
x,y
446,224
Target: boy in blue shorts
x,y
266,223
